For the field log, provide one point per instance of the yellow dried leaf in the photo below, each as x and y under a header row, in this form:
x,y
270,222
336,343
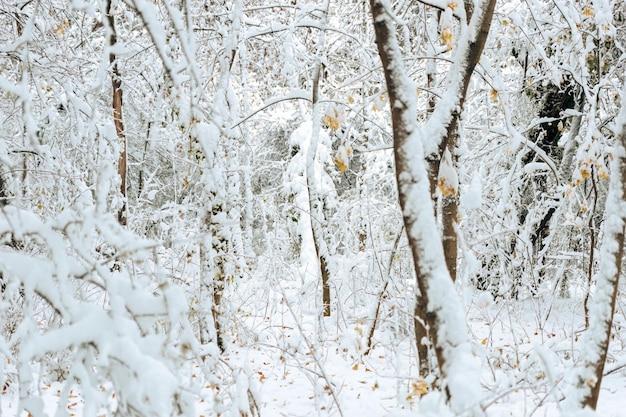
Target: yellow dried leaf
x,y
333,119
447,37
587,11
379,102
342,158
419,387
350,100
445,188
585,173
331,122
340,163
493,94
602,174
59,29
452,5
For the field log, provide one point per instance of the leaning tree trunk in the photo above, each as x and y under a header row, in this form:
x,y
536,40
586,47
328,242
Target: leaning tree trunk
x,y
588,378
445,318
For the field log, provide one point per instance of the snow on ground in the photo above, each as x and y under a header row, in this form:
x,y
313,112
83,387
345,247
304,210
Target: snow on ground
x,y
308,368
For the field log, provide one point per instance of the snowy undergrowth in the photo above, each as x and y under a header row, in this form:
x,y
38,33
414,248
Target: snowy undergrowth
x,y
282,359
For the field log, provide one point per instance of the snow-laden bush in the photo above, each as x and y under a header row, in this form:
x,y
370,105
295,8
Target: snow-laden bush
x,y
72,312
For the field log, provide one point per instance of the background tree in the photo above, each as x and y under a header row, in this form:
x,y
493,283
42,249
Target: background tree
x,y
588,376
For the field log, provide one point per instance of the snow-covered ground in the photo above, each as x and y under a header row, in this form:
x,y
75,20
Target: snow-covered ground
x,y
308,367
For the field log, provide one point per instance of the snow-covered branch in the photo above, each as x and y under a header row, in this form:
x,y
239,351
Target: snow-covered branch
x,y
587,377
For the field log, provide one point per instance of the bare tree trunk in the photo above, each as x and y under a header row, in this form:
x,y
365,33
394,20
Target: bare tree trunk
x,y
315,204
315,209
449,220
468,56
422,338
381,295
217,307
117,113
444,316
466,59
588,377
592,244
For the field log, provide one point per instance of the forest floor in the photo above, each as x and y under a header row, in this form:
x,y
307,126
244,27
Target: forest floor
x,y
527,350
282,367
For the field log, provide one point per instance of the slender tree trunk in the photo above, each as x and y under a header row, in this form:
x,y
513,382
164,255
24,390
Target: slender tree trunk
x,y
588,378
444,316
23,79
466,58
217,309
592,243
565,171
422,338
315,204
449,217
381,295
315,209
117,105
